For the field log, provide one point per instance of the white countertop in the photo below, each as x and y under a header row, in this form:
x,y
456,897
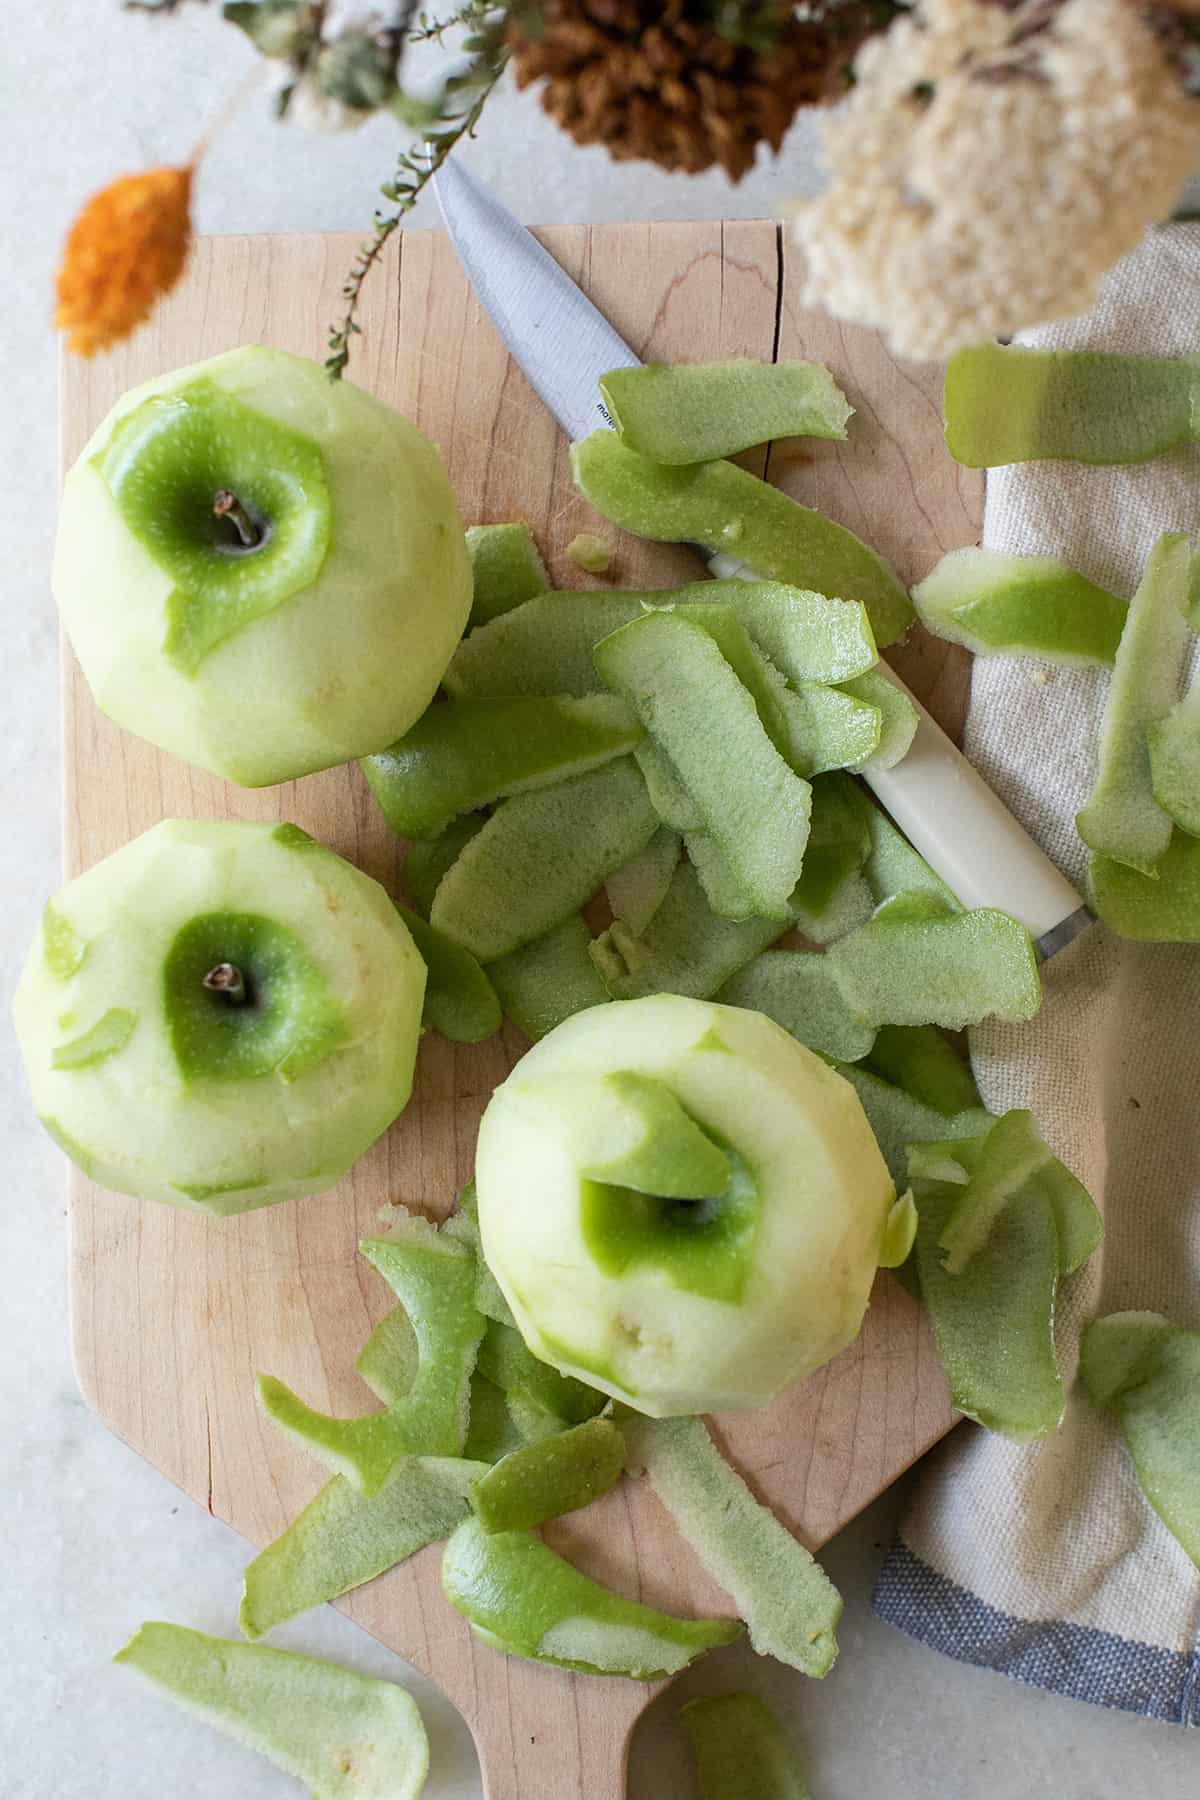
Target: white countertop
x,y
95,1539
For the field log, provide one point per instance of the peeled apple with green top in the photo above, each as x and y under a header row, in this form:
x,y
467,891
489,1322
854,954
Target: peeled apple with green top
x,y
221,1015
259,569
683,1206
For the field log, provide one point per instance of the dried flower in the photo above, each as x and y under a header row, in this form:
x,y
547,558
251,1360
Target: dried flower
x,y
686,83
342,61
283,30
990,164
310,107
127,248
443,122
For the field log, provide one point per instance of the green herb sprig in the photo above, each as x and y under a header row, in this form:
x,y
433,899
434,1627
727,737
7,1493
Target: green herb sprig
x,y
443,123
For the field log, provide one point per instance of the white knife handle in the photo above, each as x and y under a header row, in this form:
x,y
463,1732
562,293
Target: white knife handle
x,y
962,829
948,812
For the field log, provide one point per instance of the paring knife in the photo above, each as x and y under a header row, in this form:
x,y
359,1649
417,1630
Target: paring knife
x,y
564,345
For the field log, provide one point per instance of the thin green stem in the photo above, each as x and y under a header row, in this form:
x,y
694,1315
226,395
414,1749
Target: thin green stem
x,y
427,28
414,172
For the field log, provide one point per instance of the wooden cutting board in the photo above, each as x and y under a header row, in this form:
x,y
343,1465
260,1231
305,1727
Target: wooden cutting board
x,y
172,1314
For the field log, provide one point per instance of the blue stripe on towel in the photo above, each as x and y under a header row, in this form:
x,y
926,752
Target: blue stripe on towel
x,y
1076,1660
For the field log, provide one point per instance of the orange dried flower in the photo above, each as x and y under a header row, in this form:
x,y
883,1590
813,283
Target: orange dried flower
x,y
127,247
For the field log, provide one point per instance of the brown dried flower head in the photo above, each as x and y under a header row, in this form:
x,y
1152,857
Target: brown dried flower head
x,y
127,248
665,83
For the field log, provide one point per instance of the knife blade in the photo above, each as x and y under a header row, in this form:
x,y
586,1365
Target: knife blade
x,y
549,326
564,344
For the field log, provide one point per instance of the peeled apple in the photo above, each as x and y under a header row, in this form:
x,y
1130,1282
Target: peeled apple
x,y
260,570
652,1284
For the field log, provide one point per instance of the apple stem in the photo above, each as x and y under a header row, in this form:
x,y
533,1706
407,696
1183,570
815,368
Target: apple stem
x,y
226,505
227,979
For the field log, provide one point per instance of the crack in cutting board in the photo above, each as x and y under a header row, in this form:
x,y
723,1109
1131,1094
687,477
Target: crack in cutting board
x,y
171,1314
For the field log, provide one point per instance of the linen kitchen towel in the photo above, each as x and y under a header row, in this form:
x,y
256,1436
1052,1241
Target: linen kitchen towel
x,y
1045,1561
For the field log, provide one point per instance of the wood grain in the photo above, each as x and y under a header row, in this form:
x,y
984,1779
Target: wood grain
x,y
172,1315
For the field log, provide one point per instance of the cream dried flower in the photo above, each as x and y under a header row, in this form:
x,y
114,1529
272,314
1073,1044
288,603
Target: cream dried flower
x,y
348,73
310,107
990,165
